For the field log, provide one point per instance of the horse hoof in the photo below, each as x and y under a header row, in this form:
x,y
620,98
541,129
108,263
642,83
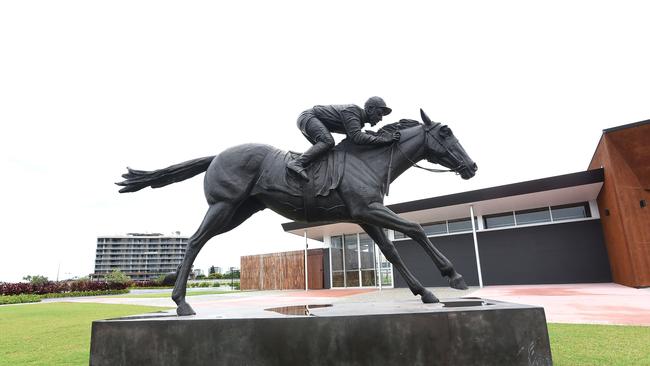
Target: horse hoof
x,y
184,310
457,282
429,298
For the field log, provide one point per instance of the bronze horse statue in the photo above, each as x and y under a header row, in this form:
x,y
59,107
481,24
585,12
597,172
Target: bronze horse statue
x,y
248,178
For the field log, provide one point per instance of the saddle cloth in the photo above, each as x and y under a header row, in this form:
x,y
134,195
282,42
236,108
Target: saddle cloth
x,y
325,174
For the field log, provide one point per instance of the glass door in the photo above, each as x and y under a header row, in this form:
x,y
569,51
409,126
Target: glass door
x,y
351,255
336,258
367,260
357,262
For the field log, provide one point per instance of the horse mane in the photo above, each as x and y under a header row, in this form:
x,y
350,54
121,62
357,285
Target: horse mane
x,y
402,124
386,130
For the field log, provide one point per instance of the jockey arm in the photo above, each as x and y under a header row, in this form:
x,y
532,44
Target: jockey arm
x,y
352,123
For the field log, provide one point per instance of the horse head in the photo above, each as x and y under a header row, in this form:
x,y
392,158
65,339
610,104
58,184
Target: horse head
x,y
444,148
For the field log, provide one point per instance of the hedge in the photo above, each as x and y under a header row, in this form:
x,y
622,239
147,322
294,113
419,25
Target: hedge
x,y
203,284
18,299
51,287
147,284
84,293
24,298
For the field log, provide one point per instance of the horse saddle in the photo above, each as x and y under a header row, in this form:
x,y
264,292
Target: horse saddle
x,y
324,174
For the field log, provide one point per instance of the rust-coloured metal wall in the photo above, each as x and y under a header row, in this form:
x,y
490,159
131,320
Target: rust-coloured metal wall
x,y
282,271
624,153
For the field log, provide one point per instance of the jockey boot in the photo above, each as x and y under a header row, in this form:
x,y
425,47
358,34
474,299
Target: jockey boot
x,y
295,166
298,165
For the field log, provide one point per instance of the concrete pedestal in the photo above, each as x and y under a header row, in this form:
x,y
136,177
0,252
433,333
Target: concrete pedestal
x,y
455,332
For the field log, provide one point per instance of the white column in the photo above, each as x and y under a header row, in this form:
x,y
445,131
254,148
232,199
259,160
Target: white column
x,y
593,207
359,257
306,283
478,259
377,264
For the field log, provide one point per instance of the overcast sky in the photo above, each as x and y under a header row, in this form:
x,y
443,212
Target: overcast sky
x,y
87,88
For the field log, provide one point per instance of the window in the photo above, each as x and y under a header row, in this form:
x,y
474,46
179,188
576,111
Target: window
x,y
367,254
351,253
435,228
499,220
338,279
459,225
533,216
573,211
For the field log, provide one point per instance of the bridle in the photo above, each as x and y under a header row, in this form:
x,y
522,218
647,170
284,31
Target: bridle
x,y
427,132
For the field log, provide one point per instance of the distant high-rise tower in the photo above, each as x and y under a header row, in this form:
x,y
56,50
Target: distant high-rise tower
x,y
139,256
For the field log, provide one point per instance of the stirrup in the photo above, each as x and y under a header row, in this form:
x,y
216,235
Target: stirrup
x,y
300,171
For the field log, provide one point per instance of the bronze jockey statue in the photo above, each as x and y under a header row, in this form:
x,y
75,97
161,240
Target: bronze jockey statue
x,y
318,122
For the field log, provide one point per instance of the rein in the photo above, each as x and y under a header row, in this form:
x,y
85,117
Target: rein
x,y
415,164
421,167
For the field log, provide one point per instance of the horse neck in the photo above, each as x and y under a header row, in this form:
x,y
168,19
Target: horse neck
x,y
409,150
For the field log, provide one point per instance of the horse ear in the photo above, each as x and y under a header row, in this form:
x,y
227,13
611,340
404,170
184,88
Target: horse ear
x,y
425,118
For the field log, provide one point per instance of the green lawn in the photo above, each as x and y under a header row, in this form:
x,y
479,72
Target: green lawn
x,y
55,333
582,344
169,294
59,334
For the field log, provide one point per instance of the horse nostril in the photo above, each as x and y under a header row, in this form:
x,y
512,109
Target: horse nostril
x,y
475,167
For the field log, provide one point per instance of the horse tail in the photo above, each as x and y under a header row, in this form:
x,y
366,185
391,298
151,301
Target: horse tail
x,y
138,179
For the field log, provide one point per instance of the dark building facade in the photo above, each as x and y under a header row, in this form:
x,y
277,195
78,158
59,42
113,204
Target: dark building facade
x,y
536,232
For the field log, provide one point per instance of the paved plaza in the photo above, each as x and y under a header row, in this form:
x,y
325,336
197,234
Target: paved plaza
x,y
605,303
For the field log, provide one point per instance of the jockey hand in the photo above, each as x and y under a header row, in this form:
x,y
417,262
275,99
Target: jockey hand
x,y
396,136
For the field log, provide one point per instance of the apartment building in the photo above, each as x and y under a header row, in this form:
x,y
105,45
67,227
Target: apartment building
x,y
140,256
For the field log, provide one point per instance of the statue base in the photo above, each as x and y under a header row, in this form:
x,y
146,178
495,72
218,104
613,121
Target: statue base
x,y
468,331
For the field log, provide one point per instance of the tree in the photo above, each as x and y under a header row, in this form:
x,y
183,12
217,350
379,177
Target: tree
x,y
117,276
36,279
212,270
232,273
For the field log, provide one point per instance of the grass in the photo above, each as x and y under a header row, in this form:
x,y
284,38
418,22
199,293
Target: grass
x,y
54,333
168,294
582,344
59,334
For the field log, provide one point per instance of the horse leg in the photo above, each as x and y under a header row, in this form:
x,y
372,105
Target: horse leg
x,y
390,252
218,216
380,215
243,212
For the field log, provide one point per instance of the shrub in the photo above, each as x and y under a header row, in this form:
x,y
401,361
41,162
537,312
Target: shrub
x,y
117,276
18,299
15,288
36,279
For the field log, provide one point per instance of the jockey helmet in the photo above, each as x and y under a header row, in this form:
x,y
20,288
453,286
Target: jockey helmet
x,y
377,102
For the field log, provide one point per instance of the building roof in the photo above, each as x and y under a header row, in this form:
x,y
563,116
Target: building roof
x,y
561,189
629,125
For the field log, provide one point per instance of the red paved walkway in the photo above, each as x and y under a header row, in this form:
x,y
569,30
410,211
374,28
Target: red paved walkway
x,y
603,303
328,293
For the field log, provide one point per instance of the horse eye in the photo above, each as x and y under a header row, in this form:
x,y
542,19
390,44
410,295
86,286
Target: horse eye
x,y
445,131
